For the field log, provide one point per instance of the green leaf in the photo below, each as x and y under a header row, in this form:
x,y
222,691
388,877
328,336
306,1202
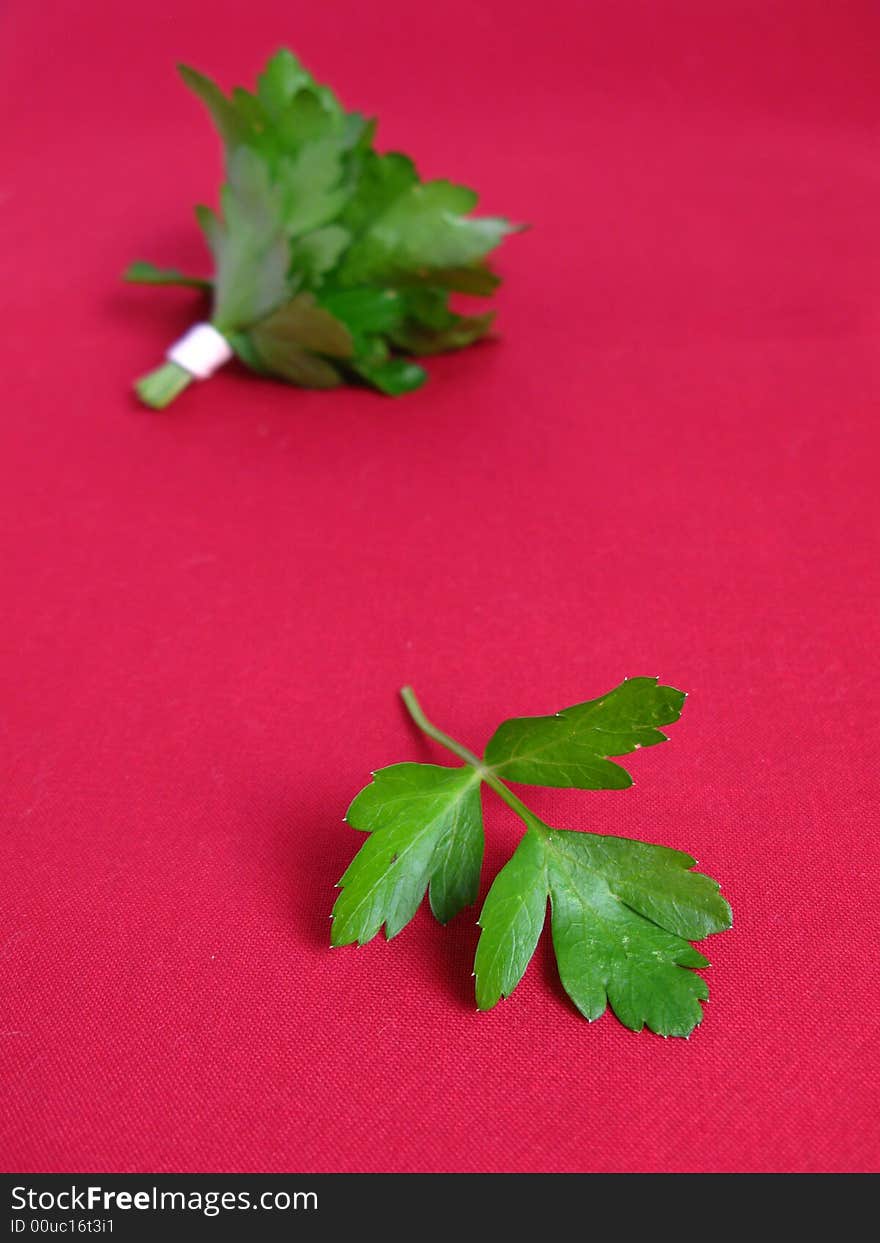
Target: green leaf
x,y
425,826
295,365
475,279
141,273
311,189
424,227
366,310
511,920
290,342
316,253
282,78
571,749
234,128
455,333
653,880
251,115
623,912
381,180
302,322
427,325
394,377
289,108
249,243
308,118
285,82
246,352
620,913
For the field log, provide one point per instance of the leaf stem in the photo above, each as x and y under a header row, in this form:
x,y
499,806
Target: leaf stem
x,y
414,708
160,387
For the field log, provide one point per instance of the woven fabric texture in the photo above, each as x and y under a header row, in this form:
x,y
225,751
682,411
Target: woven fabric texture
x,y
666,465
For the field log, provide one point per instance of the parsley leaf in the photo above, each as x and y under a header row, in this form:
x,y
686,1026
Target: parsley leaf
x,y
298,339
623,912
572,747
426,828
425,226
309,207
250,248
512,919
149,274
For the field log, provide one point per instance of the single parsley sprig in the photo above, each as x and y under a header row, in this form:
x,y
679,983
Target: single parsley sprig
x,y
333,262
623,912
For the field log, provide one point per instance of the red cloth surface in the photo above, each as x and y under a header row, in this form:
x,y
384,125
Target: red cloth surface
x,y
668,465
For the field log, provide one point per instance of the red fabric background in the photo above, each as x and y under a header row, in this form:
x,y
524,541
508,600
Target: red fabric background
x,y
667,466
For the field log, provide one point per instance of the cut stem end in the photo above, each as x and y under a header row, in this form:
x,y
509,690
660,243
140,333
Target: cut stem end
x,y
160,387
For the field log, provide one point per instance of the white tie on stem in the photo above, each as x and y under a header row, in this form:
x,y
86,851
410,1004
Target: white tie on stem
x,y
200,351
196,356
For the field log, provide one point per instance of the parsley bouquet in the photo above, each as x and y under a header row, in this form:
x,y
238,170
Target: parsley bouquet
x,y
333,263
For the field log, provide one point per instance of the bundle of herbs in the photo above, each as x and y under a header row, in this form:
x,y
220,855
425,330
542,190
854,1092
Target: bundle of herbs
x,y
333,263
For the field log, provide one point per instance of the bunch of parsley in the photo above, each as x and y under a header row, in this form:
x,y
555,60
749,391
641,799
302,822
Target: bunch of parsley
x,y
333,262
